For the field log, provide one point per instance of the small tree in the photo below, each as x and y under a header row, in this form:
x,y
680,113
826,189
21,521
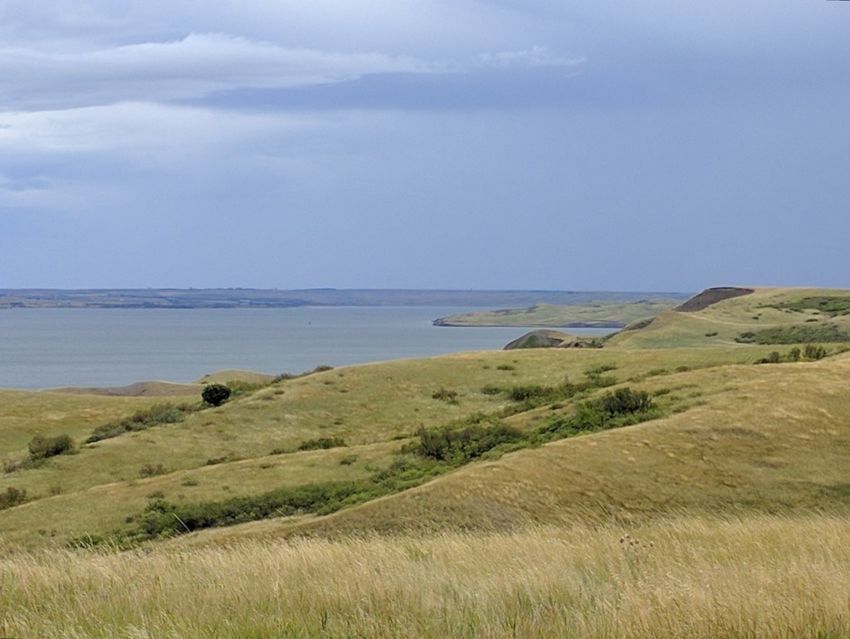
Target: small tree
x,y
215,394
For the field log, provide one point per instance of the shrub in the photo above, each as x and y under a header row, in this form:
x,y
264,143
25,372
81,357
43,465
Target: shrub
x,y
164,518
445,395
619,408
505,367
215,394
151,470
12,497
623,401
814,352
12,465
530,391
830,305
458,445
141,420
490,389
796,334
41,447
321,443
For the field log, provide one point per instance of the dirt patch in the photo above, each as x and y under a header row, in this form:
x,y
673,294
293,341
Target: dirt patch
x,y
711,296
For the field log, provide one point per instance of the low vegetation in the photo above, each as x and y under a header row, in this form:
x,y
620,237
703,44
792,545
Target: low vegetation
x,y
445,395
215,394
754,576
458,445
827,304
41,447
321,443
796,334
321,368
12,497
142,420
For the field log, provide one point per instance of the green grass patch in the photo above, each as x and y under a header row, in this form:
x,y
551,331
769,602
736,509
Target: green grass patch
x,y
826,304
796,334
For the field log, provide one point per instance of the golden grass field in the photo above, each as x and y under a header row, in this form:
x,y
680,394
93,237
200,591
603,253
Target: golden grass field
x,y
739,496
764,577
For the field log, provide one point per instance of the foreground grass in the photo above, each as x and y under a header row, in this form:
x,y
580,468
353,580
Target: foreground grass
x,y
762,576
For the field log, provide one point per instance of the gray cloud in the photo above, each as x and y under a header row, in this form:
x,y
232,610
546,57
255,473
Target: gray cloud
x,y
191,67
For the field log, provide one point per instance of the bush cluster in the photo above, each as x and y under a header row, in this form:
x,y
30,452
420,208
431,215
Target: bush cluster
x,y
141,420
622,407
163,518
460,444
322,443
796,334
41,447
12,497
530,396
446,395
811,352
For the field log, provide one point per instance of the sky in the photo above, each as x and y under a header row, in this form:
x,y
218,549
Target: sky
x,y
503,144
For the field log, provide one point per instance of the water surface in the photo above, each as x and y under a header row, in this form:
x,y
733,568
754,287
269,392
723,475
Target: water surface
x,y
43,348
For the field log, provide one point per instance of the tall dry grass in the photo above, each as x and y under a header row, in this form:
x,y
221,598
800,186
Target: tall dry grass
x,y
689,577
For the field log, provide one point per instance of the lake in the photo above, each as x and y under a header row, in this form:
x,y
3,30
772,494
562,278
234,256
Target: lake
x,y
44,348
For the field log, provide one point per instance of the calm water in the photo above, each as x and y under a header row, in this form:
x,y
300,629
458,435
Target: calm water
x,y
42,348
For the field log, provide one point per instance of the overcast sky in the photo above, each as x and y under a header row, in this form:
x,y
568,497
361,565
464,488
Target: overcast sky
x,y
620,145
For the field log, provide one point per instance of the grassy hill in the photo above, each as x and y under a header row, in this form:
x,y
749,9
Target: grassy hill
x,y
596,314
767,316
728,474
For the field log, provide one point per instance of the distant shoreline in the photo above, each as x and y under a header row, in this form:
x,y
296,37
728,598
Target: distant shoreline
x,y
274,298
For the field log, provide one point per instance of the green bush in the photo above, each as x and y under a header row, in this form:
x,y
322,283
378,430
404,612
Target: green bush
x,y
622,407
814,351
445,395
162,518
321,443
796,334
215,394
142,420
41,447
12,497
829,305
458,445
623,401
491,389
530,392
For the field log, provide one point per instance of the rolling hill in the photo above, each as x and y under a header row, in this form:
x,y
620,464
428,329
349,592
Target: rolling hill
x,y
748,437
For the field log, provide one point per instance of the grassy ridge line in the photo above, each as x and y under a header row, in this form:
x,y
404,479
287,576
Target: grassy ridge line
x,y
721,324
760,576
597,314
